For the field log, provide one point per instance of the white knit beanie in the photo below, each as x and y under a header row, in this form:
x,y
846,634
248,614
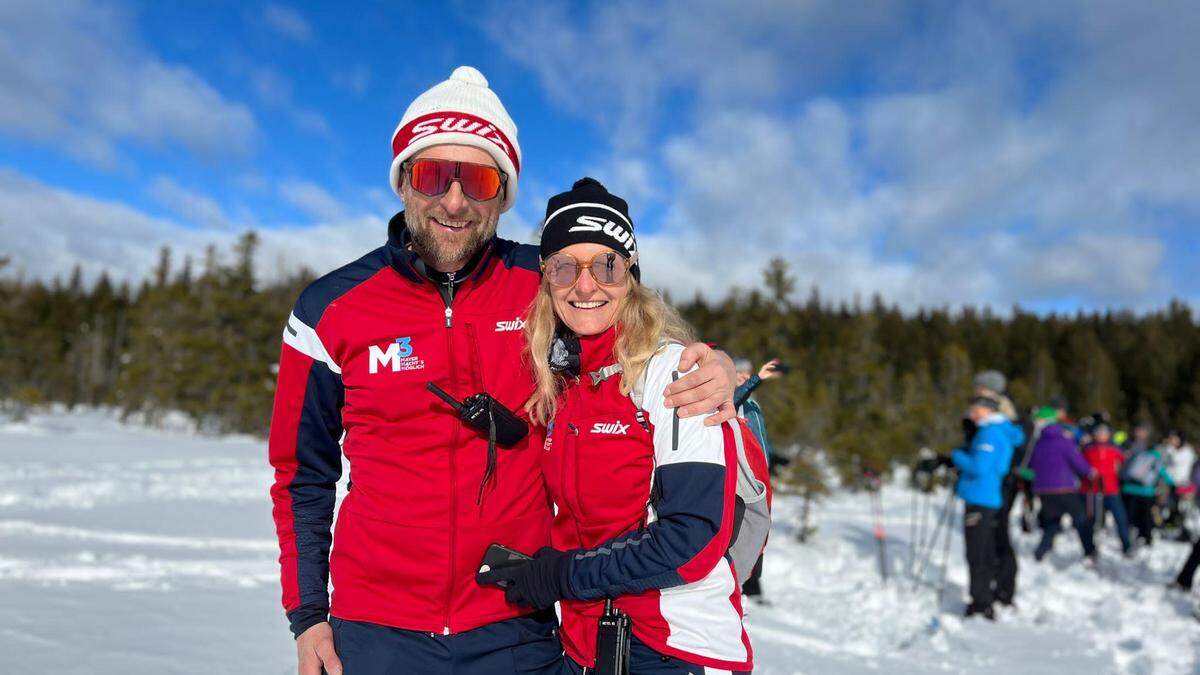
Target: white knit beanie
x,y
461,111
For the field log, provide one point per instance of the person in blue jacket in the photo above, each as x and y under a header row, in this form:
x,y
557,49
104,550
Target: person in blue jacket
x,y
982,467
749,409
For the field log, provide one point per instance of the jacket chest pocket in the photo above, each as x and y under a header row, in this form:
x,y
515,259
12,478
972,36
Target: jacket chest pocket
x,y
495,349
613,461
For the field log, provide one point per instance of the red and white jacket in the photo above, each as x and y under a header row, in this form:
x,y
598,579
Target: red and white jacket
x,y
357,352
662,558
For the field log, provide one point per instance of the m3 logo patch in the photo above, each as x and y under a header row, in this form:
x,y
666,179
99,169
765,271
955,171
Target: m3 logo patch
x,y
398,356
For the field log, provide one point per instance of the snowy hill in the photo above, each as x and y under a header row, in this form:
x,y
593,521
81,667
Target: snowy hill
x,y
124,549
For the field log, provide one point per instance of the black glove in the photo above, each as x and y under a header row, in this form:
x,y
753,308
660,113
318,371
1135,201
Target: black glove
x,y
930,465
537,583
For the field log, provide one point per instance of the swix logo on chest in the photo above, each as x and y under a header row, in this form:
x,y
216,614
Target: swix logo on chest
x,y
398,356
614,428
505,326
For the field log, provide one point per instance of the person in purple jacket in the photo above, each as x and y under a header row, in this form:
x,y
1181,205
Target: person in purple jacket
x,y
1058,465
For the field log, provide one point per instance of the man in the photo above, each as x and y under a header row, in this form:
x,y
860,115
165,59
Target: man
x,y
749,409
982,468
441,302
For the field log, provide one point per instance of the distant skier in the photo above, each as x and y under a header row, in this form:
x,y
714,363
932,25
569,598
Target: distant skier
x,y
749,409
1058,466
1107,459
1180,458
993,384
1187,575
1139,484
982,467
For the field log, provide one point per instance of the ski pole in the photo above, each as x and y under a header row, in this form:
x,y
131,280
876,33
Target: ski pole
x,y
874,487
931,543
912,529
880,534
946,553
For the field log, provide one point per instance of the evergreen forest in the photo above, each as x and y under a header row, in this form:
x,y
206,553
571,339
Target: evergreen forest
x,y
870,384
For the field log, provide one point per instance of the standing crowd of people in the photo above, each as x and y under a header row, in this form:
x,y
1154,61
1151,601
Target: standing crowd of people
x,y
1059,468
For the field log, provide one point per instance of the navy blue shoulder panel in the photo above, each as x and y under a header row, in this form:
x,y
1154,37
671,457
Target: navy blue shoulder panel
x,y
514,254
320,293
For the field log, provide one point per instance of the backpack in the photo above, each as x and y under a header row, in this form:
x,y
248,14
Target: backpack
x,y
752,510
1141,469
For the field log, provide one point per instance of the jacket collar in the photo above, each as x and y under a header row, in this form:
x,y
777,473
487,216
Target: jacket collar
x,y
405,261
597,351
994,418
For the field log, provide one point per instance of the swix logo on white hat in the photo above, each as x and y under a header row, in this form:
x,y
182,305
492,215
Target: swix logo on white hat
x,y
505,326
615,428
466,124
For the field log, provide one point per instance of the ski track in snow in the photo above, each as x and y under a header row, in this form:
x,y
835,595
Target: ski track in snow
x,y
126,549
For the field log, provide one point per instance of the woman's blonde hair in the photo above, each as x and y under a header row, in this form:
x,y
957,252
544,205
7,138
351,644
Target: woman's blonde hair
x,y
645,321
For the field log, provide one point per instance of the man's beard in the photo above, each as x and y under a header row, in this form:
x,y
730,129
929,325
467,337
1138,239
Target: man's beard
x,y
446,256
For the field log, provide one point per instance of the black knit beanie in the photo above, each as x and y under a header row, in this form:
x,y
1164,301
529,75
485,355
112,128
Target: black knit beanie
x,y
588,213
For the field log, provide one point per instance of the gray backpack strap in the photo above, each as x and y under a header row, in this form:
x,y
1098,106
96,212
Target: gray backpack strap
x,y
604,373
639,388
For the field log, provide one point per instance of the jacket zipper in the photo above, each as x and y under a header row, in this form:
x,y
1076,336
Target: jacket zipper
x,y
573,456
453,456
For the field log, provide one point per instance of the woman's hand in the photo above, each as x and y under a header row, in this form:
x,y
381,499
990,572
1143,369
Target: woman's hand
x,y
708,388
537,583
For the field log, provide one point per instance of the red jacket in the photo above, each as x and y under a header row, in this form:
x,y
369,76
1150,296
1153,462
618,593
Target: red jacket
x,y
358,350
1106,459
662,557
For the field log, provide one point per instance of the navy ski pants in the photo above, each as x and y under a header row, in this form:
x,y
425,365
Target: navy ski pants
x,y
527,644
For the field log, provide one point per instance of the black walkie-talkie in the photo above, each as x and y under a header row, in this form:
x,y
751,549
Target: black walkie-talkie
x,y
612,642
480,411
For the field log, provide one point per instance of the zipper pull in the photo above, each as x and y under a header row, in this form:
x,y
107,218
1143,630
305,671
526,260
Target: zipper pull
x,y
449,297
573,428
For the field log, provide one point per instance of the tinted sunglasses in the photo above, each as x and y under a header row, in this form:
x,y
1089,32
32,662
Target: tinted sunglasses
x,y
562,270
432,178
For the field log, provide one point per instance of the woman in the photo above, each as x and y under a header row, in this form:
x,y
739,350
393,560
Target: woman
x,y
645,500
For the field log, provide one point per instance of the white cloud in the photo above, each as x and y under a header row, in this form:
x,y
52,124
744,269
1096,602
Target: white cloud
x,y
74,76
275,91
984,154
312,199
48,230
311,121
353,79
288,22
192,206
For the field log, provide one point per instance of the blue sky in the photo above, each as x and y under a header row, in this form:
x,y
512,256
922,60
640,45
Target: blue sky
x,y
934,152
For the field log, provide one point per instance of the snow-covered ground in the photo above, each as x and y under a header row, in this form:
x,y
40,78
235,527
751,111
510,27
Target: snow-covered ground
x,y
129,550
